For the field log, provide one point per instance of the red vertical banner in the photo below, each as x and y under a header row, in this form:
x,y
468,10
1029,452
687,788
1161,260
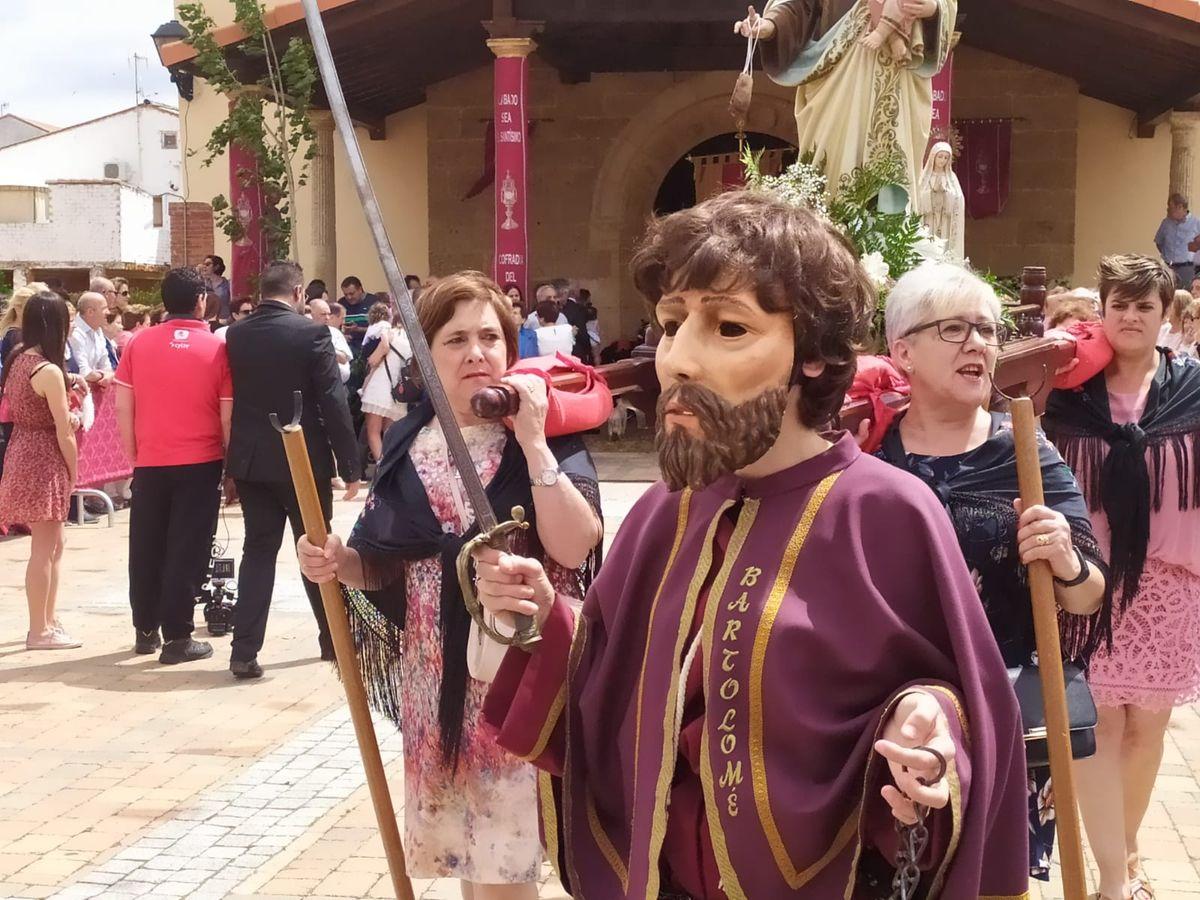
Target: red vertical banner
x,y
512,206
943,95
246,202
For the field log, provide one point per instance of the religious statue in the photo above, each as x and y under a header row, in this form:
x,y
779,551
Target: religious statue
x,y
940,201
892,29
856,104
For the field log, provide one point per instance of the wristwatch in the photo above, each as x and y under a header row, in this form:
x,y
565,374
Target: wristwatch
x,y
548,478
1084,572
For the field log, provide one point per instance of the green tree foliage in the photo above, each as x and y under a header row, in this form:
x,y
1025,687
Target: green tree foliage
x,y
268,117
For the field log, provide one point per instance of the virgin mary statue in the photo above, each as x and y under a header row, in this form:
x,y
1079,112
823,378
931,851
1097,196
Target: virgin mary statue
x,y
853,104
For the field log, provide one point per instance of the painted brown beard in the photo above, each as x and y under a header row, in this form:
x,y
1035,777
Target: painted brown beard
x,y
732,436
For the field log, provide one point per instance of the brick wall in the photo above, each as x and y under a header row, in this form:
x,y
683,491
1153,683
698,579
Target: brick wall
x,y
191,233
1037,226
83,227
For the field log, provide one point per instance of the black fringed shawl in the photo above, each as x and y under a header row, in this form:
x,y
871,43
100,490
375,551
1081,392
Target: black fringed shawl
x,y
1110,460
398,526
978,488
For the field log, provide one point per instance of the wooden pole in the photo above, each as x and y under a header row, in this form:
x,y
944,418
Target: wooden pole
x,y
356,696
1054,691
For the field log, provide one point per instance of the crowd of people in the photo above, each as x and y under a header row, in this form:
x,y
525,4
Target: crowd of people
x,y
753,361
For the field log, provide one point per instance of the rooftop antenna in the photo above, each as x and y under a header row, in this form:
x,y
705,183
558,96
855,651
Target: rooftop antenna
x,y
137,79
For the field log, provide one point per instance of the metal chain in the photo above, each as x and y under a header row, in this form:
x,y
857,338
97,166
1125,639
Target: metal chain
x,y
913,841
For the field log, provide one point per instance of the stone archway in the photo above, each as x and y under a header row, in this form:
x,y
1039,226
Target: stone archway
x,y
676,121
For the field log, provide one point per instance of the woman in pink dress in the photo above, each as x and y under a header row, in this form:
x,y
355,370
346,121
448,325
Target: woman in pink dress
x,y
40,463
1130,433
471,809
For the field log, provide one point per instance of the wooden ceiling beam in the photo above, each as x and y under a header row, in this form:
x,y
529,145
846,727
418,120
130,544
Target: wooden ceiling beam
x,y
1120,15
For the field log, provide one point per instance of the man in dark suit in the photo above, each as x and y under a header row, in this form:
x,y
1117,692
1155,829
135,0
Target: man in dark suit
x,y
271,354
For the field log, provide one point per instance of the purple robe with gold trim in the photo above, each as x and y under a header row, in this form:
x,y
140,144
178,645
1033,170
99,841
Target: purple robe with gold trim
x,y
839,588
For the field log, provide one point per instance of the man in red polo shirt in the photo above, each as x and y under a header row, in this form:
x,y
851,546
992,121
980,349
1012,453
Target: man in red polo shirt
x,y
174,407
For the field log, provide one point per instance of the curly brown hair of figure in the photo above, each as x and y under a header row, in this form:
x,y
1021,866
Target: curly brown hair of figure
x,y
790,259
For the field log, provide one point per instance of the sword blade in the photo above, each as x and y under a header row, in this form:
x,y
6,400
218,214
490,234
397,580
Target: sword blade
x,y
485,517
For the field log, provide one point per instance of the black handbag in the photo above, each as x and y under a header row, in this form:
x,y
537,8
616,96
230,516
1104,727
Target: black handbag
x,y
1081,713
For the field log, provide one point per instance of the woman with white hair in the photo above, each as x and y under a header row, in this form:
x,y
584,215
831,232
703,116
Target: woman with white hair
x,y
944,331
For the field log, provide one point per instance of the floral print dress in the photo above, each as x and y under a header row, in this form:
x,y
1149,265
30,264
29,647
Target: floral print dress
x,y
478,822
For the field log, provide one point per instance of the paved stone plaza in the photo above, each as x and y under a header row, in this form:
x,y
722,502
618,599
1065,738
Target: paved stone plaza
x,y
123,778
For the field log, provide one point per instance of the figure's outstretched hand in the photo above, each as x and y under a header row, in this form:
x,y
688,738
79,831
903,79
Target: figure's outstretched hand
x,y
508,584
754,25
918,721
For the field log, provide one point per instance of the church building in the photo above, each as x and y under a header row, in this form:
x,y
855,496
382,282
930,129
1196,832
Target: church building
x,y
1078,118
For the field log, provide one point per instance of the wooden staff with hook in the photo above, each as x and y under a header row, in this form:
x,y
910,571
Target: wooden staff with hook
x,y
1049,649
343,645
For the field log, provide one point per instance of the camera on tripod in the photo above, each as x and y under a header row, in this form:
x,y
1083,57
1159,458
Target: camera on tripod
x,y
218,593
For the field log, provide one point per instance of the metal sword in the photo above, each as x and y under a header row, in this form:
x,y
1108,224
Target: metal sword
x,y
485,517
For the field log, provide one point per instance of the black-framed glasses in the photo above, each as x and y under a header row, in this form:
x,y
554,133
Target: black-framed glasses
x,y
958,331
243,312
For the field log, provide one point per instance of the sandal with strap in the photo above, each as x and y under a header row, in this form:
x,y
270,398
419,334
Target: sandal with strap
x,y
1140,889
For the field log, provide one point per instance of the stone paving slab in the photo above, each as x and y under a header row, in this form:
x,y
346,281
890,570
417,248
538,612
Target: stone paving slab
x,y
123,778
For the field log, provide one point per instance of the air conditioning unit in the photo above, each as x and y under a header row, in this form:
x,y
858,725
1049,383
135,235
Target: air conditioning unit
x,y
117,171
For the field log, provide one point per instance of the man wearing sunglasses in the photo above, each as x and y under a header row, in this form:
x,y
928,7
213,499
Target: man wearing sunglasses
x,y
107,289
241,311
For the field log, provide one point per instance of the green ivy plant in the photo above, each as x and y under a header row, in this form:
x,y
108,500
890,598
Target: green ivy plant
x,y
268,118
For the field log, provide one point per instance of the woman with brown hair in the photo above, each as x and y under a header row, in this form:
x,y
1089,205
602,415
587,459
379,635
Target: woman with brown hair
x,y
41,460
1132,435
471,808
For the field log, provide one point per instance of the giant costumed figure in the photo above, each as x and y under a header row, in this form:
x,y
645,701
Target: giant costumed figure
x,y
784,654
856,102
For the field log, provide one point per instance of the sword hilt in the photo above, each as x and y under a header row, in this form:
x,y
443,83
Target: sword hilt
x,y
497,538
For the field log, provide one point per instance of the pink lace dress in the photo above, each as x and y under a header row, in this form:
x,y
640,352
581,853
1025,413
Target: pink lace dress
x,y
1155,659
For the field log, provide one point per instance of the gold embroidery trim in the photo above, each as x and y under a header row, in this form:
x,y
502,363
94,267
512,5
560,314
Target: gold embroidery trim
x,y
729,880
955,788
953,698
560,700
858,22
577,647
681,521
549,818
658,821
887,711
758,768
935,886
543,739
604,843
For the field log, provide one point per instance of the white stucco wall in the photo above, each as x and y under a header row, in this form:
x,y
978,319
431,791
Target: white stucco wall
x,y
132,138
89,224
141,242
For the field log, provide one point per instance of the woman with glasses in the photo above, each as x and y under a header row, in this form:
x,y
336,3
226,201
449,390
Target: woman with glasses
x,y
121,288
944,333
